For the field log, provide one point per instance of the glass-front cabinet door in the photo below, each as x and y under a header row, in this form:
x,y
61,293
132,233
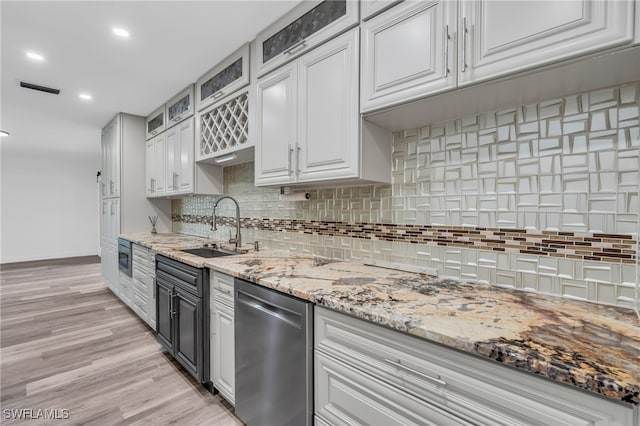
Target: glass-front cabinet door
x,y
223,79
304,27
180,107
156,122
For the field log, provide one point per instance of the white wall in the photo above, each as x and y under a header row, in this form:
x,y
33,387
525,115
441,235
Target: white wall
x,y
50,205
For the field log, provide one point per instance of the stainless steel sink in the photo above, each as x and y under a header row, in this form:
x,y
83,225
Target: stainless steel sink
x,y
209,252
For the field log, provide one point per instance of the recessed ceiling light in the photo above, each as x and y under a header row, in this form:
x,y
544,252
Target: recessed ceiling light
x,y
35,56
85,96
120,32
3,133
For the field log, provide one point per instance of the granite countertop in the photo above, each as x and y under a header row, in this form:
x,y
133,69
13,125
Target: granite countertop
x,y
591,346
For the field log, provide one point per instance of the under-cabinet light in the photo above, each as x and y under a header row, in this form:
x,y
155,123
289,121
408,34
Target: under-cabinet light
x,y
224,159
3,133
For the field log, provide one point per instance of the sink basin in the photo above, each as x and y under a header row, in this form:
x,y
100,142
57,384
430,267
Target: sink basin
x,y
209,252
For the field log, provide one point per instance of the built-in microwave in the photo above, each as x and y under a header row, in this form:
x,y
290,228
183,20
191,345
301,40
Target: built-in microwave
x,y
124,256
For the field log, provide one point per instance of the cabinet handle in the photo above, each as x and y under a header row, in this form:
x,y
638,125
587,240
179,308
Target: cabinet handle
x,y
416,372
104,192
298,149
464,44
154,132
225,291
154,288
218,94
173,305
447,37
177,118
289,168
175,185
295,48
111,186
170,303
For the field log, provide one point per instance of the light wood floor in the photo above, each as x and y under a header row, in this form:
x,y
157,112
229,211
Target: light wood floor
x,y
66,342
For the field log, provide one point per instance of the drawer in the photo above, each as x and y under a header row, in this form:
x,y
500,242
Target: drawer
x,y
345,396
479,391
222,288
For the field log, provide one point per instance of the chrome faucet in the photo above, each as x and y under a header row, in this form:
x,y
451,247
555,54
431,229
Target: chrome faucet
x,y
238,239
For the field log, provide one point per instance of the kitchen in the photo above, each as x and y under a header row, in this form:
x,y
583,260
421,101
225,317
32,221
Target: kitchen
x,y
370,212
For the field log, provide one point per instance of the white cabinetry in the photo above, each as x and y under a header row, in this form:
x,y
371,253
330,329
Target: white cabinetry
x,y
308,25
110,184
502,37
180,107
156,122
225,78
180,163
156,164
367,374
143,292
222,335
417,49
407,53
308,126
124,208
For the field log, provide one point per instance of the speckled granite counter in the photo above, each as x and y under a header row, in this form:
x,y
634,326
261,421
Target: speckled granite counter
x,y
591,346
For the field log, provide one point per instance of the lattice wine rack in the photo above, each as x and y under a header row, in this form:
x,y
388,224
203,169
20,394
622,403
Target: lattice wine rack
x,y
224,127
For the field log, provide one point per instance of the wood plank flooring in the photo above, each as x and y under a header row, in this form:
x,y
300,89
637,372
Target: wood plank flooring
x,y
67,343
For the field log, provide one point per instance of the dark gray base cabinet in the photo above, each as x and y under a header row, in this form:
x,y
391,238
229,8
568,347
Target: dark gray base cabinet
x,y
181,311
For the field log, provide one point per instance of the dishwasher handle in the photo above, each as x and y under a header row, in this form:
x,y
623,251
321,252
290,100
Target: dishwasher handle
x,y
292,318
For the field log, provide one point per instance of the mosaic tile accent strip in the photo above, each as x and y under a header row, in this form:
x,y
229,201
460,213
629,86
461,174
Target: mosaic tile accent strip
x,y
616,248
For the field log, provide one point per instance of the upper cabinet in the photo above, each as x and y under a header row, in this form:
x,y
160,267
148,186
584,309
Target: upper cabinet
x,y
303,28
111,162
408,53
223,79
180,107
156,122
308,126
417,49
156,162
222,131
502,37
180,163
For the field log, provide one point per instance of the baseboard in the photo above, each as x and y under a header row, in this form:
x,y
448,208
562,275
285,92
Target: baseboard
x,y
76,260
50,256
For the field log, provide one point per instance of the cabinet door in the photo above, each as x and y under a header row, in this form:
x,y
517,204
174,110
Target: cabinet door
x,y
225,78
408,52
160,164
105,171
188,332
156,122
180,107
328,142
149,167
501,37
223,360
164,314
114,158
114,224
276,117
184,160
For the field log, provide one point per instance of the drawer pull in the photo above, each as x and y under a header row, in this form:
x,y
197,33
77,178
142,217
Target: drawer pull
x,y
416,372
225,291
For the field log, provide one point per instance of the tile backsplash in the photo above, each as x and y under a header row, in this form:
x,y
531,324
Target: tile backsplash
x,y
539,197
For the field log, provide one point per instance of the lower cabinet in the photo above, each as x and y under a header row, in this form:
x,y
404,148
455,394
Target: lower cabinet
x,y
182,305
188,316
143,289
164,315
368,374
222,335
124,284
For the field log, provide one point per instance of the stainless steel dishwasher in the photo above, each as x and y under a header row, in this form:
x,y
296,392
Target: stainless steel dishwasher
x,y
274,357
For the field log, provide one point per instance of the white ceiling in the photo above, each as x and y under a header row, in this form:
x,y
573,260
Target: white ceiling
x,y
172,44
